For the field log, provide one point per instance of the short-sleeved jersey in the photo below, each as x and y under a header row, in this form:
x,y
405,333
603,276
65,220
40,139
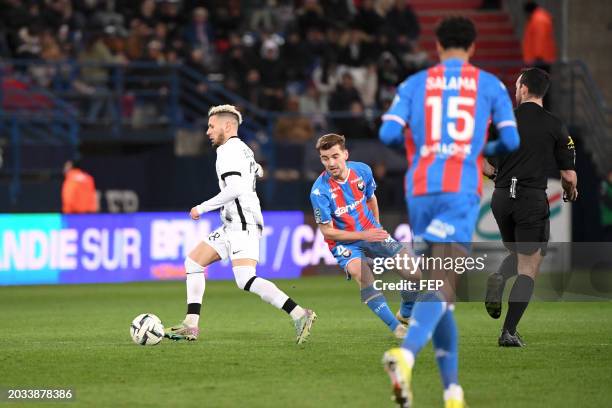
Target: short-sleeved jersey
x,y
448,108
545,144
344,203
235,158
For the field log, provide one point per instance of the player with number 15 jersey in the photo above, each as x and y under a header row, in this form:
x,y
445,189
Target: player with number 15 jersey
x,y
448,109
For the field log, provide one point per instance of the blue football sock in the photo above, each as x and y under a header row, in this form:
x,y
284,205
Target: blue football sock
x,y
445,341
378,304
408,299
426,314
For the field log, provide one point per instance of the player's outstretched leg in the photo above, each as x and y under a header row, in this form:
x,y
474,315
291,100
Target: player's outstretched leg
x,y
374,299
377,303
496,283
445,340
195,264
247,280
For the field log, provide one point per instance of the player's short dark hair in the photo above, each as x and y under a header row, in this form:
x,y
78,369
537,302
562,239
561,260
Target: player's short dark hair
x,y
536,80
330,140
456,32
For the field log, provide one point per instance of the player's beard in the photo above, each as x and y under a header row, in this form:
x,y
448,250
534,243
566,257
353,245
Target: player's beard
x,y
217,140
336,173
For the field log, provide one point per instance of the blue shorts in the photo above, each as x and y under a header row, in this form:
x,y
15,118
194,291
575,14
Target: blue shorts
x,y
444,217
345,253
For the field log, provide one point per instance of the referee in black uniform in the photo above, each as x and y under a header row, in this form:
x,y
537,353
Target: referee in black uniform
x,y
520,204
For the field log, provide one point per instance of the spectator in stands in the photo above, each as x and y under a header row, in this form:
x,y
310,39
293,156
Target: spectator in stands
x,y
273,77
170,15
153,106
227,17
267,18
326,77
310,16
342,99
95,75
357,50
78,190
339,11
235,65
28,43
344,95
539,46
199,33
252,89
147,14
367,18
388,77
314,105
296,60
357,126
317,46
293,127
136,41
402,20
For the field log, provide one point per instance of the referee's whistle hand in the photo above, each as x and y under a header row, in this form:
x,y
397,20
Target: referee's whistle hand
x,y
195,215
572,195
375,235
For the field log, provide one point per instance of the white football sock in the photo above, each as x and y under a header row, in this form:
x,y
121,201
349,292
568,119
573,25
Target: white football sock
x,y
297,312
196,284
268,291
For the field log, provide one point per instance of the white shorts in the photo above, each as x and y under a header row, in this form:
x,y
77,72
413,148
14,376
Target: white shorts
x,y
234,244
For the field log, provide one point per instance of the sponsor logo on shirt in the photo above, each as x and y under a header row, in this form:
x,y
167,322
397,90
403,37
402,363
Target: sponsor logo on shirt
x,y
349,207
446,149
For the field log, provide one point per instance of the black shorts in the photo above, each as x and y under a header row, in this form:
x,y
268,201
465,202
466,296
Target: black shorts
x,y
524,222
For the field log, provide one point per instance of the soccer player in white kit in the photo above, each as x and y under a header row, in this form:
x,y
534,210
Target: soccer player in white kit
x,y
238,237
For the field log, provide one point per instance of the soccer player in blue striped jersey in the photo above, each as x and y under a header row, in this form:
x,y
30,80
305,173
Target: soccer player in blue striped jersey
x,y
448,109
346,210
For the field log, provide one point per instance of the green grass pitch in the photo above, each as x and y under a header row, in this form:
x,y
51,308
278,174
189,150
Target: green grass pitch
x,y
78,336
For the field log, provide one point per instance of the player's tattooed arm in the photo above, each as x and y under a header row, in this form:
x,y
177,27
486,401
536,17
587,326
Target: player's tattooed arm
x,y
372,203
371,235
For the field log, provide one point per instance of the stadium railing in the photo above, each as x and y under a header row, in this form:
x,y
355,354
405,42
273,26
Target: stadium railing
x,y
39,130
148,100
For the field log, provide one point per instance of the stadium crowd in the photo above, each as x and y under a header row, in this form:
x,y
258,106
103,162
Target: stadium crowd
x,y
307,57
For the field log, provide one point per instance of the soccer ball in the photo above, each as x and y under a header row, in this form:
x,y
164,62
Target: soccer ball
x,y
147,330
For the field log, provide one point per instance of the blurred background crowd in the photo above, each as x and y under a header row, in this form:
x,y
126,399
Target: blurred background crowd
x,y
305,56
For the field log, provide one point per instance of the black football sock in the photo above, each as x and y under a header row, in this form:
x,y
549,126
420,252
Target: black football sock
x,y
519,300
194,308
508,267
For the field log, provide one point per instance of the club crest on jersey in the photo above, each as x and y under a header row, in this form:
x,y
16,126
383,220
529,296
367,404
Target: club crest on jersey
x,y
360,185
